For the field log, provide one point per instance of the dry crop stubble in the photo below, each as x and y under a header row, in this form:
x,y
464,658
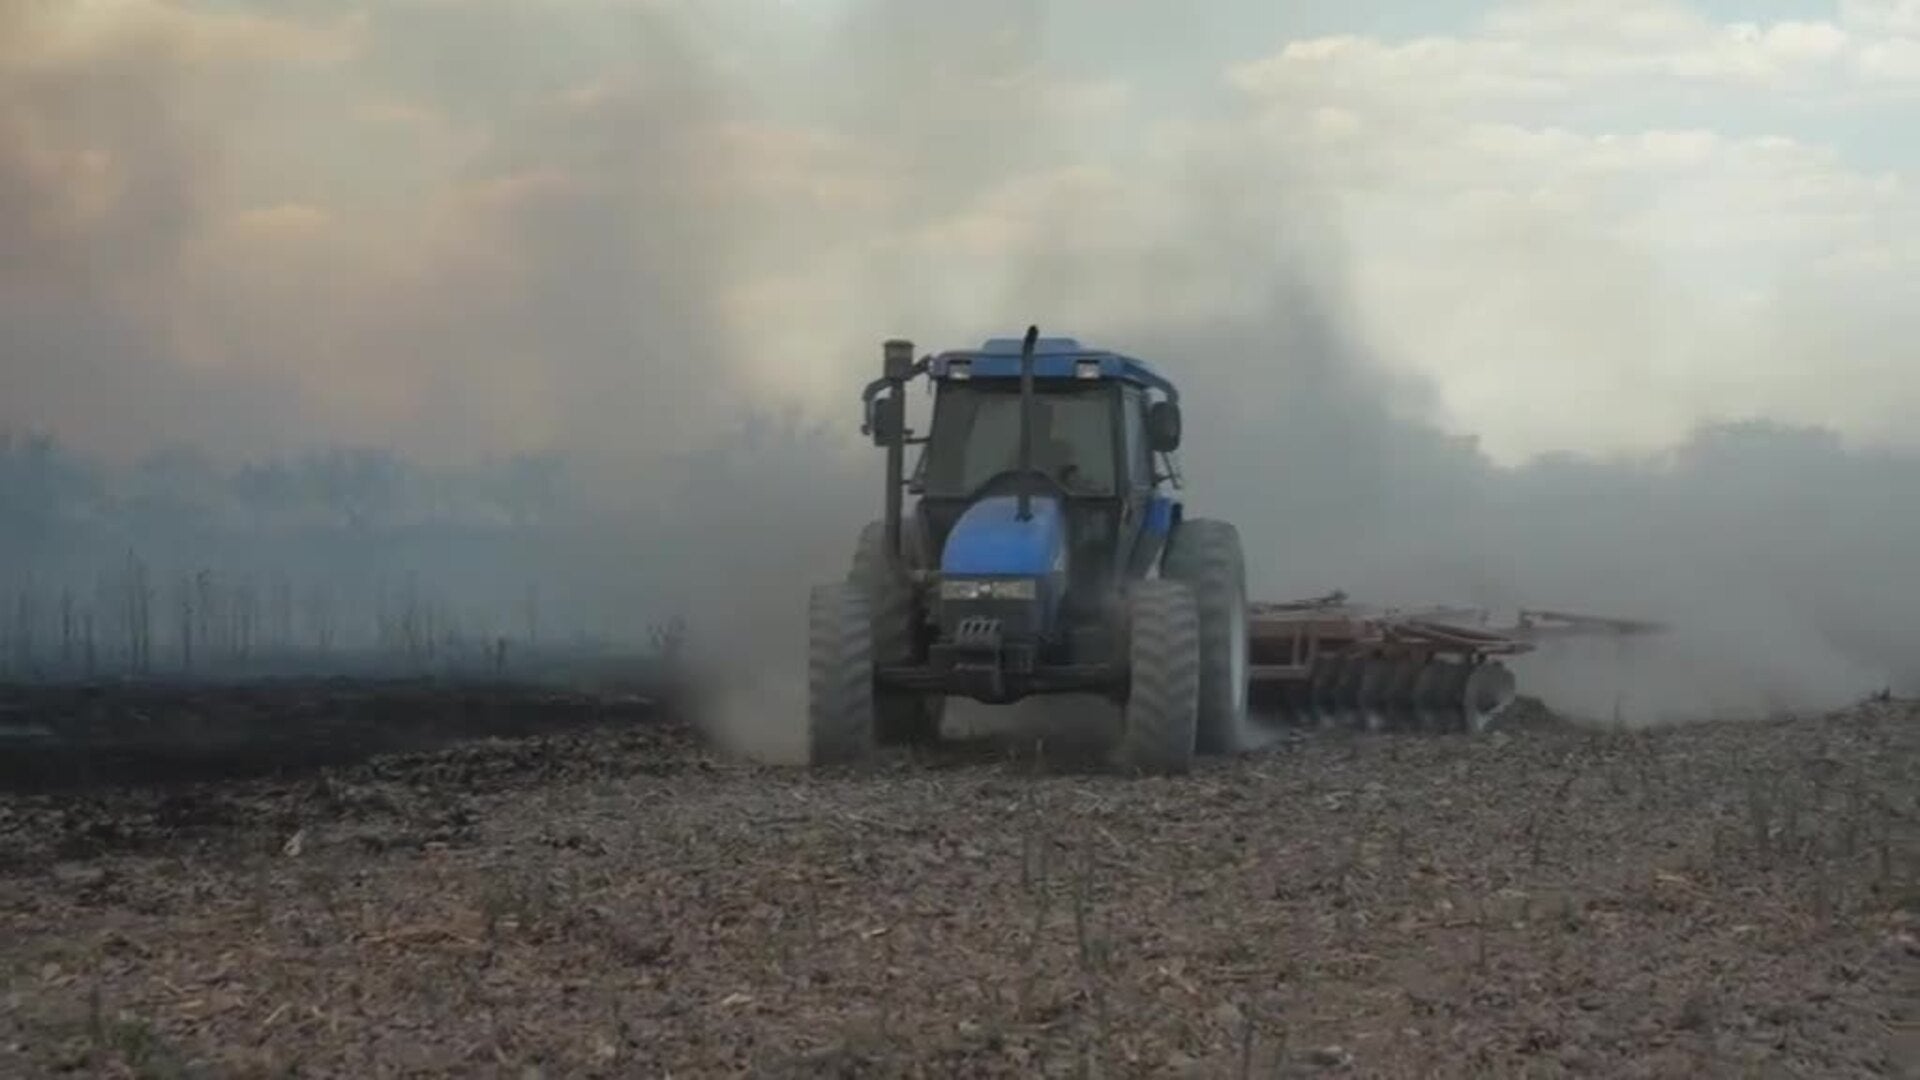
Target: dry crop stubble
x,y
1720,899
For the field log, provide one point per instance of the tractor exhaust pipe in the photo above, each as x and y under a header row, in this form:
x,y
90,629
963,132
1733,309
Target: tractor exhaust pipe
x,y
897,358
1027,403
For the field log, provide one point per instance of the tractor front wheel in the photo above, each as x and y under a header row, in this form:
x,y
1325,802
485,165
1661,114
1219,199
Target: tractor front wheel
x,y
840,716
1161,720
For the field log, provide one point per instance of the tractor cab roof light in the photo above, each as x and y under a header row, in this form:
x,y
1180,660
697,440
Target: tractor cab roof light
x,y
960,369
1086,369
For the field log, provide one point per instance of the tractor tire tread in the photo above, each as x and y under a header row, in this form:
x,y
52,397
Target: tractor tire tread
x,y
1206,555
900,718
840,713
1162,710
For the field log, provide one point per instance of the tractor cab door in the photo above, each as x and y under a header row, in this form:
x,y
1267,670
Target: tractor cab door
x,y
1135,488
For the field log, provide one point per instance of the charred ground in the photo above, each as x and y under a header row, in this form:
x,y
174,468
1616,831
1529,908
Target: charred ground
x,y
595,893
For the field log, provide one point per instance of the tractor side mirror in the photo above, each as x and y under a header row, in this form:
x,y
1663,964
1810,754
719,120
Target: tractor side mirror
x,y
889,419
1163,426
897,359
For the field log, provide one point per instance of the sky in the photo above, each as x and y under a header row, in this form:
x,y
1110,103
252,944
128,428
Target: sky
x,y
461,227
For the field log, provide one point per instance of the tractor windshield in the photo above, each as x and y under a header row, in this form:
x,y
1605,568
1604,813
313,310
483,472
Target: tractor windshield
x,y
976,435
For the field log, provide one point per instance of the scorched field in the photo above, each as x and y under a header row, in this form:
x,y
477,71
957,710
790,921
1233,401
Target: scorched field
x,y
602,896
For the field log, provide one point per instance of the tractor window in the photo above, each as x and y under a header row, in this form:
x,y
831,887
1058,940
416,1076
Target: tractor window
x,y
1133,408
976,435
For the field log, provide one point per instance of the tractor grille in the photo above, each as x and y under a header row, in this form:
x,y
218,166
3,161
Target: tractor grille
x,y
1016,620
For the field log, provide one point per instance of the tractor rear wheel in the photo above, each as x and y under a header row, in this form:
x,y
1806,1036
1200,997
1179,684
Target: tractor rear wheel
x,y
1205,555
900,717
1160,721
840,716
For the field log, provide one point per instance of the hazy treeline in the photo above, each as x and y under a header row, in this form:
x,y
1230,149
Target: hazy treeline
x,y
350,559
1786,562
1784,558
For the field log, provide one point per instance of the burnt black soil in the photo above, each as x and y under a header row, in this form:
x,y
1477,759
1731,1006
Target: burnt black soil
x,y
54,736
612,899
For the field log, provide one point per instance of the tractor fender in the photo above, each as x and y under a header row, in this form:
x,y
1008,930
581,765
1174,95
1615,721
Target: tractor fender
x,y
1158,523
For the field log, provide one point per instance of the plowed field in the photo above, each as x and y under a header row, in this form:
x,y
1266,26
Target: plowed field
x,y
611,899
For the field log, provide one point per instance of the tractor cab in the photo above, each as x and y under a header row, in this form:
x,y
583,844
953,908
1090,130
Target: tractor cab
x,y
1088,445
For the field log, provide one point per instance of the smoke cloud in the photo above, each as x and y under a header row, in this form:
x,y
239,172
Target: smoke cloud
x,y
602,281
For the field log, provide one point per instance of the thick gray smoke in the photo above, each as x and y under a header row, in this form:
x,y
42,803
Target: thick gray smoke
x,y
627,238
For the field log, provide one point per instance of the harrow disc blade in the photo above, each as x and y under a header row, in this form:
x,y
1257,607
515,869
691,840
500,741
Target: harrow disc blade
x,y
1346,693
1436,696
1488,691
1393,694
1324,707
1385,700
1376,681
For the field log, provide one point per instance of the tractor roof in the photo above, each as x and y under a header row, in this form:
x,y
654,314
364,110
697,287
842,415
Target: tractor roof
x,y
1053,358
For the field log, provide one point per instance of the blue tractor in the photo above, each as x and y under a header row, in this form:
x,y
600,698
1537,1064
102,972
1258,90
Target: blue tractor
x,y
1042,557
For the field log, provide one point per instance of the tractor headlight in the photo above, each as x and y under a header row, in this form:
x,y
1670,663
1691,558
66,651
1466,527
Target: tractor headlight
x,y
987,589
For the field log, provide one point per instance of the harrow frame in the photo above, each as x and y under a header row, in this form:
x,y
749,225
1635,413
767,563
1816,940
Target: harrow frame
x,y
1326,662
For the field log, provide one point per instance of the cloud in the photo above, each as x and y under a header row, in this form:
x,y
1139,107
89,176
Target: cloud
x,y
1537,268
1894,17
465,245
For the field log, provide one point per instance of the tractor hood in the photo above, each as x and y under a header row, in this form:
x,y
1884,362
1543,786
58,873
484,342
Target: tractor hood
x,y
990,540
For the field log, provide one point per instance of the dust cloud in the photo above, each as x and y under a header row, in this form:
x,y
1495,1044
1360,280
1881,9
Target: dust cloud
x,y
601,283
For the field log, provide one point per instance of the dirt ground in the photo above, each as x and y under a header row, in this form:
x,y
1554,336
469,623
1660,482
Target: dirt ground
x,y
1724,900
